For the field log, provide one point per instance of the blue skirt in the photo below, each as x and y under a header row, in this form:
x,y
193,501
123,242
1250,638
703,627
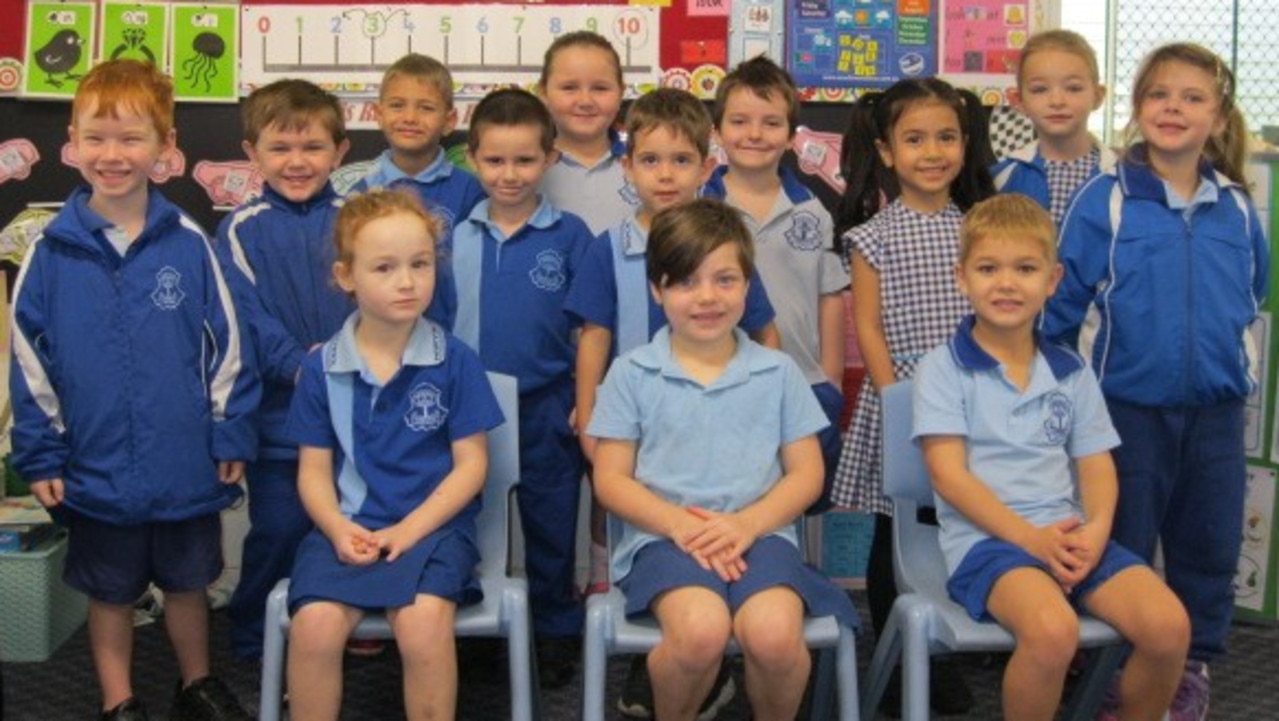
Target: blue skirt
x,y
442,564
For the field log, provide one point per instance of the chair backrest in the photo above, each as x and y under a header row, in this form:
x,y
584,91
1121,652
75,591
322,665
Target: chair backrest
x,y
917,558
492,526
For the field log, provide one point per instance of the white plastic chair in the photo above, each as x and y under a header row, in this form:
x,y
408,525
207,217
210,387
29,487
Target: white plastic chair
x,y
924,620
609,632
505,608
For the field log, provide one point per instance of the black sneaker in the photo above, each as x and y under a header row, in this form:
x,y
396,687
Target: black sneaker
x,y
207,699
557,660
131,709
636,700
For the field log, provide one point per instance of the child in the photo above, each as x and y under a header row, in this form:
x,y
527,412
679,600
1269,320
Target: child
x,y
1058,86
277,253
1193,264
707,451
415,112
395,529
581,85
133,390
667,160
922,145
1024,542
756,112
514,258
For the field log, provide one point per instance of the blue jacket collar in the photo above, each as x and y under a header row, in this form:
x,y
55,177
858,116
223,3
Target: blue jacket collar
x,y
78,224
969,355
326,196
1139,180
425,347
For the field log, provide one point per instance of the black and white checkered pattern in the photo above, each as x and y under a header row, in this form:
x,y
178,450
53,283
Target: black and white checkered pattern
x,y
1009,130
914,254
1064,177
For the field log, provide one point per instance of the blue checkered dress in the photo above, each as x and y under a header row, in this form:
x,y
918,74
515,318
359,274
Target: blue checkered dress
x,y
915,256
1065,177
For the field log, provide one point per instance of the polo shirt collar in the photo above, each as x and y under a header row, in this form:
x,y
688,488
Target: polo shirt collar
x,y
616,149
386,172
794,189
634,237
749,359
543,217
425,348
967,354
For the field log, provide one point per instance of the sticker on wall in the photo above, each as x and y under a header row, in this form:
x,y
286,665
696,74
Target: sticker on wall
x,y
1251,574
706,80
206,45
10,74
21,232
59,48
228,183
135,30
170,165
16,158
818,154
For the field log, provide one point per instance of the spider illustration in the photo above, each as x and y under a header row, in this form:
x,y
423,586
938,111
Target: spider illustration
x,y
203,66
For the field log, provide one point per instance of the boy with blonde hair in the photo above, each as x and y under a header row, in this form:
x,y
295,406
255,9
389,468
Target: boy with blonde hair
x,y
415,112
1025,508
133,390
277,255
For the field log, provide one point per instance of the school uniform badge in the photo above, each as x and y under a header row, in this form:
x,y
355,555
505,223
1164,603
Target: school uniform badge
x,y
804,232
1060,418
426,408
549,273
168,292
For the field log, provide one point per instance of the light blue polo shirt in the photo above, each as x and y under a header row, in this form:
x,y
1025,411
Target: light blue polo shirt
x,y
402,433
794,254
447,191
716,446
598,194
1021,444
511,291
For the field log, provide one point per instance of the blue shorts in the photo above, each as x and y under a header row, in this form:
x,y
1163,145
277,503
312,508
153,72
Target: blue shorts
x,y
114,564
771,561
990,559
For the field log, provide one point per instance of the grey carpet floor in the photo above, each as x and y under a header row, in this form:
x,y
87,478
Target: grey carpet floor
x,y
1245,683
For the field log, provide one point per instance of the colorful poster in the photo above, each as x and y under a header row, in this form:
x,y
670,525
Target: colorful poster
x,y
861,43
59,48
205,48
984,36
135,30
1255,558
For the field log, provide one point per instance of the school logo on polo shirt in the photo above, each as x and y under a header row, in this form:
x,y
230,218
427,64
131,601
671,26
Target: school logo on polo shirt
x,y
805,231
426,408
549,273
1057,424
628,194
168,293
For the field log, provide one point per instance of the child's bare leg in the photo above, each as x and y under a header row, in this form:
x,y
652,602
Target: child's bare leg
x,y
1149,615
317,638
424,633
111,639
1032,606
695,630
186,618
770,629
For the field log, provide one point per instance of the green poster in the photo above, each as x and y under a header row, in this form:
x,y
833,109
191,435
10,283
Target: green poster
x,y
59,47
205,52
134,30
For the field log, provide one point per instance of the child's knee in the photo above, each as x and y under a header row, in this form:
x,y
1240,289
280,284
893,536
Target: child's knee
x,y
698,644
1165,629
319,628
772,643
1051,639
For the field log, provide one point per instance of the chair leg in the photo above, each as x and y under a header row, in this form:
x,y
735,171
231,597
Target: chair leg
x,y
916,621
1092,685
888,652
276,626
823,675
595,660
846,673
525,695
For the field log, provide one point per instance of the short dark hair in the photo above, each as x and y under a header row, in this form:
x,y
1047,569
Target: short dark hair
x,y
291,104
676,110
767,80
511,107
682,237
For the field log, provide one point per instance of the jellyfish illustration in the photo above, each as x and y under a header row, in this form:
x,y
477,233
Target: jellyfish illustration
x,y
203,66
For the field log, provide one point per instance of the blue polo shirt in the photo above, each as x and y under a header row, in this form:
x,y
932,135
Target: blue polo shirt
x,y
598,194
510,293
402,433
612,291
1021,444
717,446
